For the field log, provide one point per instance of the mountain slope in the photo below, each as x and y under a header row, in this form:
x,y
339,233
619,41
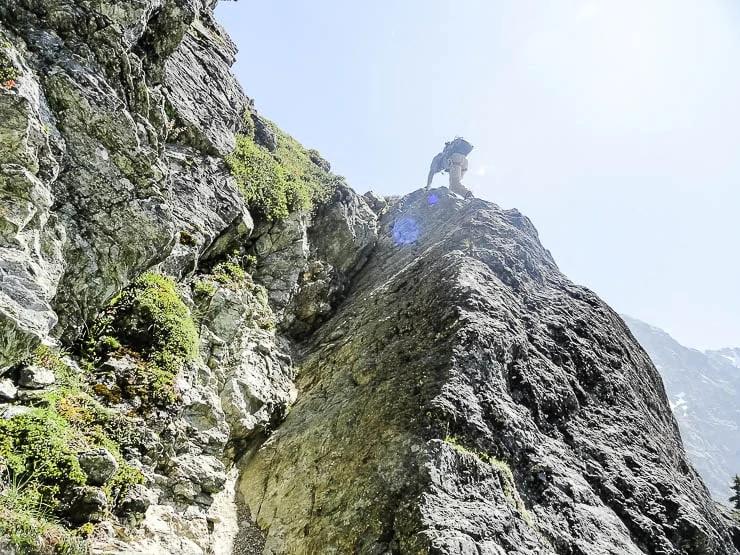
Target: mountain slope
x,y
704,392
461,352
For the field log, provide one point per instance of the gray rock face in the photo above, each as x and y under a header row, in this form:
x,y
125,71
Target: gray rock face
x,y
102,88
111,185
704,392
210,106
6,548
255,374
282,254
111,163
8,391
36,377
263,134
461,350
341,237
194,474
135,501
85,504
11,411
99,465
208,208
30,238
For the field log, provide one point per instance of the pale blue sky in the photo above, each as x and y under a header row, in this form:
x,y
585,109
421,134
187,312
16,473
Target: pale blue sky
x,y
613,124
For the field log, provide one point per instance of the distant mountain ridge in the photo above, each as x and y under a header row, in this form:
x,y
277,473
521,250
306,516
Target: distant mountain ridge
x,y
704,392
731,354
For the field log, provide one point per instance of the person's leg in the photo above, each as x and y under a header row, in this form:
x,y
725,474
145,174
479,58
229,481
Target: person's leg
x,y
455,176
458,166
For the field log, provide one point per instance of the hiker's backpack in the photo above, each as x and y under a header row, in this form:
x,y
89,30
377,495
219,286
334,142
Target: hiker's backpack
x,y
460,146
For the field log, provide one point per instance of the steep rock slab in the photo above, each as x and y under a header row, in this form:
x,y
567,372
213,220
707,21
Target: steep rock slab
x,y
110,192
341,236
208,209
30,238
459,351
110,84
199,86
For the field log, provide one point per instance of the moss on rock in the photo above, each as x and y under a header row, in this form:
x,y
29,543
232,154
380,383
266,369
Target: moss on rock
x,y
285,181
149,322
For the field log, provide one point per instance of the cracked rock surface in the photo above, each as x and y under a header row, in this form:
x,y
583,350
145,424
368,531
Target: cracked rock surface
x,y
462,354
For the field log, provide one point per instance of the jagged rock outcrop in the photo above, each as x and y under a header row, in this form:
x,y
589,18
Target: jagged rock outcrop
x,y
102,88
460,343
113,134
704,392
31,238
341,238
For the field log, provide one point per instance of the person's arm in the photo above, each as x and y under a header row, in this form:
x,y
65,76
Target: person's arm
x,y
434,168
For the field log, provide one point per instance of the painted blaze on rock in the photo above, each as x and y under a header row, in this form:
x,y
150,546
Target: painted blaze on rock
x,y
458,347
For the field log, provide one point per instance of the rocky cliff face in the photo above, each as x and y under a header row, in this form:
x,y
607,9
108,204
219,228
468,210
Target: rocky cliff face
x,y
364,378
467,398
109,100
704,391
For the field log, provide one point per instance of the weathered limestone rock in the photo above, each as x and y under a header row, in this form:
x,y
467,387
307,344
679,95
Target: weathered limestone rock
x,y
341,236
111,163
263,134
6,548
135,501
164,531
461,343
98,112
193,474
99,465
36,377
282,250
30,239
209,210
11,411
376,202
8,390
200,88
255,374
85,504
110,191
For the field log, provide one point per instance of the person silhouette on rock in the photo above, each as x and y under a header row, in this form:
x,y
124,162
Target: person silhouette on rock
x,y
453,160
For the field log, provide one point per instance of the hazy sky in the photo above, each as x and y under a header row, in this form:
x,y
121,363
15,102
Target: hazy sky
x,y
614,125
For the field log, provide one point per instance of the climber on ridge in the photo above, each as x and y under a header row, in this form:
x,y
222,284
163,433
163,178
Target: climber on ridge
x,y
453,160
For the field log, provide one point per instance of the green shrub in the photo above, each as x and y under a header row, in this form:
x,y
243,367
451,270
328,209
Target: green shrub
x,y
148,322
267,186
29,526
39,448
151,318
204,288
229,272
39,459
277,184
